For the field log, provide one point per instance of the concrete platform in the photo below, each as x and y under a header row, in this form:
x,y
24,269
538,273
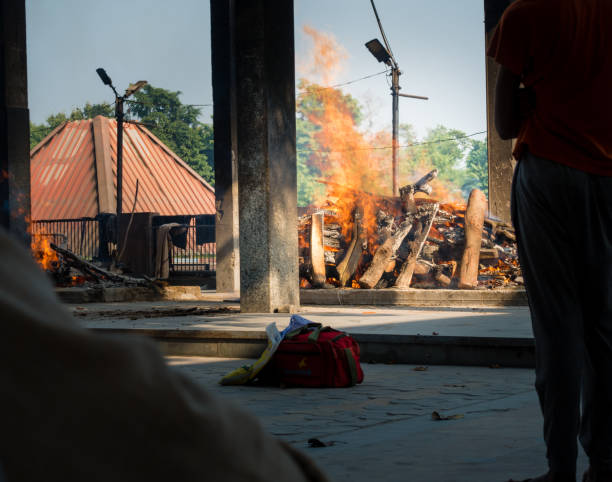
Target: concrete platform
x,y
497,322
76,295
420,350
456,336
383,429
342,297
414,297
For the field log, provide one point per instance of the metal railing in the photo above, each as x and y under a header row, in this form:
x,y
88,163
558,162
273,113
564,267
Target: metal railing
x,y
81,236
192,252
200,251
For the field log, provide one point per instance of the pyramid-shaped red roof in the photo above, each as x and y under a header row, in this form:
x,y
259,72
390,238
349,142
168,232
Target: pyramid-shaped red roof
x,y
74,174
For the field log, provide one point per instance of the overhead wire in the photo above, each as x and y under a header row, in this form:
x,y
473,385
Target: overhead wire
x,y
303,92
149,104
413,144
317,89
382,31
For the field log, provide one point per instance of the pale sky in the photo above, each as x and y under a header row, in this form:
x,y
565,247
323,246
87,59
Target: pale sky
x,y
439,45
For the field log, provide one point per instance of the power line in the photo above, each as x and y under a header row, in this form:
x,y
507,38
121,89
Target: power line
x,y
307,91
414,144
165,105
317,89
382,31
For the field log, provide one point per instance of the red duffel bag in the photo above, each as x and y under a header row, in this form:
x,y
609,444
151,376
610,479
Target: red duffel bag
x,y
313,356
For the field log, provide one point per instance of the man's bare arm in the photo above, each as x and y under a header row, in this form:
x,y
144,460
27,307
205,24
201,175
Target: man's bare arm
x,y
507,106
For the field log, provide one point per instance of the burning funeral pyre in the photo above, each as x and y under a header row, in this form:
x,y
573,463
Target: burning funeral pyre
x,y
362,240
67,269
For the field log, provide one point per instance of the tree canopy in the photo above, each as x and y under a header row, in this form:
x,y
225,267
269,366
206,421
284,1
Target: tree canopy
x,y
177,125
477,167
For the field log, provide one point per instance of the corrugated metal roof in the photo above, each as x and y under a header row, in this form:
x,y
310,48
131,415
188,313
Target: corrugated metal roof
x,y
65,173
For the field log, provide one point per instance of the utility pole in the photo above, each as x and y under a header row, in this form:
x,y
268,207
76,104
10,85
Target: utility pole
x,y
385,54
119,100
395,73
119,115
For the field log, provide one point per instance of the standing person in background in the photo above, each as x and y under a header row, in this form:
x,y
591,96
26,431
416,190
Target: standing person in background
x,y
561,52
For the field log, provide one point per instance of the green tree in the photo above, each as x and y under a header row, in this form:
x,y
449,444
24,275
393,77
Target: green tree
x,y
307,174
477,168
408,158
177,125
445,149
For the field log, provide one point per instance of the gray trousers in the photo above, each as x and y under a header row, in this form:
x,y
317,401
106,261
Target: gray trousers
x,y
563,220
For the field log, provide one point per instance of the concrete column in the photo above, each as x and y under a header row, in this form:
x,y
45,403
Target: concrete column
x,y
265,100
14,121
501,162
225,148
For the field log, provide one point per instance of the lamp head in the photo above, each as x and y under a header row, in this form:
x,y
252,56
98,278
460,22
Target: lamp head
x,y
104,76
378,51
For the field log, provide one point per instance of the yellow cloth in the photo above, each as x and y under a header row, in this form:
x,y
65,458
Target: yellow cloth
x,y
245,374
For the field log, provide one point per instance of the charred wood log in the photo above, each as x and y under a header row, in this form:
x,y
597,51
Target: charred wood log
x,y
422,267
384,254
488,253
317,254
332,256
474,221
423,225
500,230
505,232
99,274
90,269
422,185
441,278
348,266
331,235
429,251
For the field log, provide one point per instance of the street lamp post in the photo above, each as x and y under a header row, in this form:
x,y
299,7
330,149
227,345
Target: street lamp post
x,y
119,117
119,99
385,55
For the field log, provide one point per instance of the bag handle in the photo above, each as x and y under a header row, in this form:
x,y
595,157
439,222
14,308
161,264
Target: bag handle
x,y
303,329
314,336
352,365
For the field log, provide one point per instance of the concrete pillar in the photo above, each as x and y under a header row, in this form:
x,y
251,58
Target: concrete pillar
x,y
265,100
501,162
224,124
14,121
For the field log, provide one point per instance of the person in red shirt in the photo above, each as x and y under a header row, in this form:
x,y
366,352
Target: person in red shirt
x,y
554,94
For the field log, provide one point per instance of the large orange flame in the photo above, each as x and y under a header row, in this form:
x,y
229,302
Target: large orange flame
x,y
44,255
355,165
348,163
349,157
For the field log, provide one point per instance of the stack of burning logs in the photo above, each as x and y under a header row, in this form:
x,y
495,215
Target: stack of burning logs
x,y
68,269
413,242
